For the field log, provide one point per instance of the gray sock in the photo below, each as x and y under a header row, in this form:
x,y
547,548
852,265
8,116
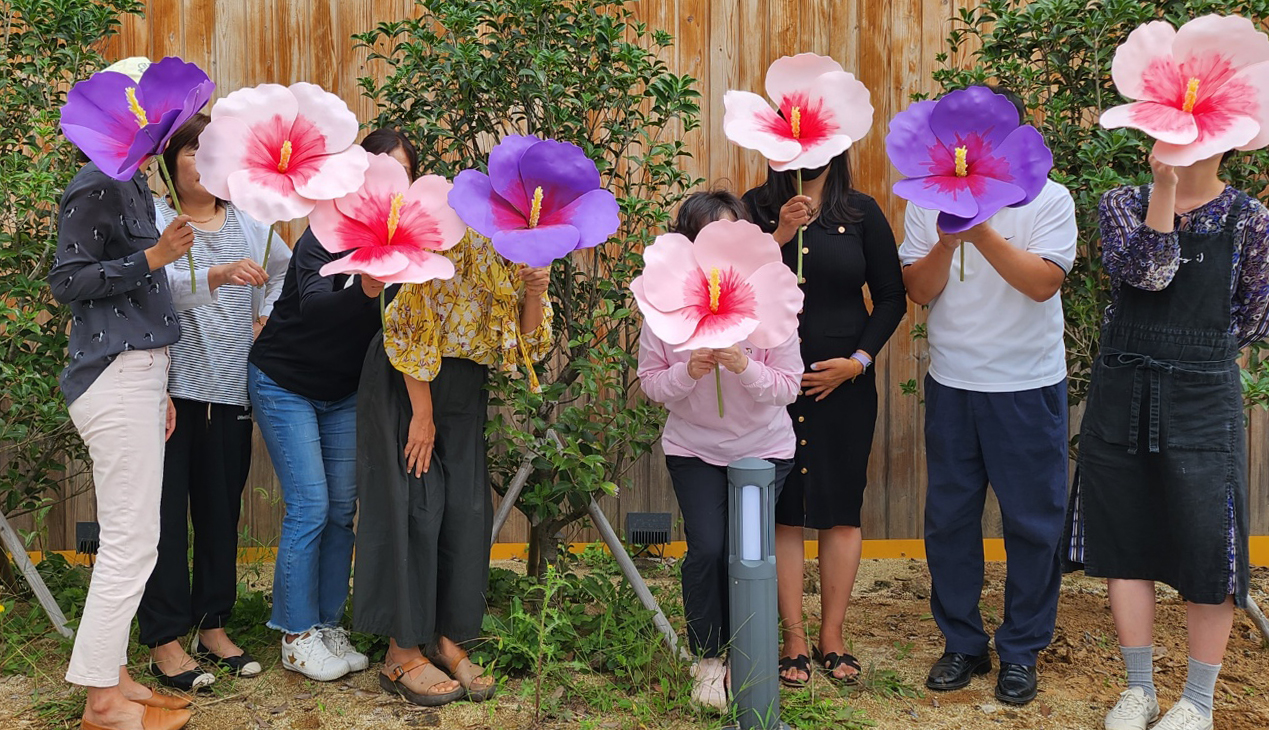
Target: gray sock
x,y
1200,684
1140,663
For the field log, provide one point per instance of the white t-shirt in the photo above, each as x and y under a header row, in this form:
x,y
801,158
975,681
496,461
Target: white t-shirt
x,y
985,335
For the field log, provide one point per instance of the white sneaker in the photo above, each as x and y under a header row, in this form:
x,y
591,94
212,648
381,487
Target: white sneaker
x,y
309,656
1184,715
709,688
336,639
1135,710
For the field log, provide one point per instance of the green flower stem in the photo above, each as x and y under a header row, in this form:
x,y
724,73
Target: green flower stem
x,y
176,203
267,245
962,261
718,382
800,279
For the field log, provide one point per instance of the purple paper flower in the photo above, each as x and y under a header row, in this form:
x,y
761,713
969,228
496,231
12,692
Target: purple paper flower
x,y
119,123
967,156
540,201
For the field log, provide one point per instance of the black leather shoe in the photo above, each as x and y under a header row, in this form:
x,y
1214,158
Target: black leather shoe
x,y
953,670
1016,684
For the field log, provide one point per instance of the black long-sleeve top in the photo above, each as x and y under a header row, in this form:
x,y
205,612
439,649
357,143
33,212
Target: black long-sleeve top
x,y
840,258
117,303
316,338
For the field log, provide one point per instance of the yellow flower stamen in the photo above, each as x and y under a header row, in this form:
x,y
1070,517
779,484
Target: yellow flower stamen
x,y
394,215
1191,95
284,160
715,289
962,163
535,212
135,107
795,122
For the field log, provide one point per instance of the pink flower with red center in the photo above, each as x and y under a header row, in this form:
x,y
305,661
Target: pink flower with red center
x,y
1200,91
822,111
393,228
730,285
275,150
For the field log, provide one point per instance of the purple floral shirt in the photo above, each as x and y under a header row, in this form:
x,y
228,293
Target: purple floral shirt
x,y
1140,256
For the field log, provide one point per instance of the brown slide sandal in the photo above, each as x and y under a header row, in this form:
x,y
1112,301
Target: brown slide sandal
x,y
466,672
392,684
155,718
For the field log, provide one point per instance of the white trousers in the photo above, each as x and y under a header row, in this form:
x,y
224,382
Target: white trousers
x,y
121,417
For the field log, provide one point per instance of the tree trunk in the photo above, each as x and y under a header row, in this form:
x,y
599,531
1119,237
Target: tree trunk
x,y
543,547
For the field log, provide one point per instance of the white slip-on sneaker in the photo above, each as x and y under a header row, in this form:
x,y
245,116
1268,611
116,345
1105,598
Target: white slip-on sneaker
x,y
309,656
1135,710
709,688
1184,715
336,639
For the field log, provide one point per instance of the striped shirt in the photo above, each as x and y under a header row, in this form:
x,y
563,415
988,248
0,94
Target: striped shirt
x,y
209,362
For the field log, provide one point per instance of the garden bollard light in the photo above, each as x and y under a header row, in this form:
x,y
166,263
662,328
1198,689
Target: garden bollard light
x,y
754,652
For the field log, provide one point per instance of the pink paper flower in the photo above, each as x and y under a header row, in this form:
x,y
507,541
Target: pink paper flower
x,y
729,286
393,228
823,111
1200,91
275,151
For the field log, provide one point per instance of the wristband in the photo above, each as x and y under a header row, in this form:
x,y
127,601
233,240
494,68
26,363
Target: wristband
x,y
862,359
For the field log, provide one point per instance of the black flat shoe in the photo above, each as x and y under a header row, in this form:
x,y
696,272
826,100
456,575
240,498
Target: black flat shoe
x,y
801,663
191,681
953,670
242,665
1016,684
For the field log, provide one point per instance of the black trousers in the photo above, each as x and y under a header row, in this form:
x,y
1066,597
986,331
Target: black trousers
x,y
701,489
204,471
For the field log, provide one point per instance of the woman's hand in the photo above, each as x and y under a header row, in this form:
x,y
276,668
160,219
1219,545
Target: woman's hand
x,y
171,419
419,442
175,241
949,242
795,214
732,359
701,363
243,272
1164,174
371,286
828,374
535,280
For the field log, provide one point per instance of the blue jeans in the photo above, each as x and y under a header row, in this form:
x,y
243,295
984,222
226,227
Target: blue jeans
x,y
313,446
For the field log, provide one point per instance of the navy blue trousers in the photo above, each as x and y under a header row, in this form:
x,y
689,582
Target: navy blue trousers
x,y
1017,442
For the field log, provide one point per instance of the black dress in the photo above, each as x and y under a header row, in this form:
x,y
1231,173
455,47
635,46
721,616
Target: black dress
x,y
826,488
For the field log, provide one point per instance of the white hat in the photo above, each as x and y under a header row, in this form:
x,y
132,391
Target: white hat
x,y
131,67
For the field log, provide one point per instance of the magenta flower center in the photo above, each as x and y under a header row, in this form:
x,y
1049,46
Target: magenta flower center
x,y
720,298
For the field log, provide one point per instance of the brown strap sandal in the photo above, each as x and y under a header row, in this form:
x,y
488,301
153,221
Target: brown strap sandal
x,y
468,674
166,702
431,676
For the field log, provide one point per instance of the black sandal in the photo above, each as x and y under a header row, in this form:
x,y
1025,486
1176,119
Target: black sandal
x,y
801,663
831,661
242,665
189,681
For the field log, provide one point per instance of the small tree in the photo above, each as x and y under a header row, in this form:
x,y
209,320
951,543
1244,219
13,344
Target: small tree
x,y
467,73
47,46
1057,55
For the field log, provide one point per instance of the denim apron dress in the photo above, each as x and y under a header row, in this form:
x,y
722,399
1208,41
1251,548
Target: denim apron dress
x,y
1161,485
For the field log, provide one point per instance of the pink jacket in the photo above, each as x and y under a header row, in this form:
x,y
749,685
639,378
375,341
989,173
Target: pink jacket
x,y
755,424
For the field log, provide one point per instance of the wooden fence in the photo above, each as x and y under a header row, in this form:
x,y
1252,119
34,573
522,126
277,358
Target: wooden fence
x,y
725,44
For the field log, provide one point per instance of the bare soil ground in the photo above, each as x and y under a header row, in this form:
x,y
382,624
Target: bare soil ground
x,y
889,629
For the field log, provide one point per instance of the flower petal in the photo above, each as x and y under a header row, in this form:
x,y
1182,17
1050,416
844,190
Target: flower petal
x,y
258,105
1161,121
846,101
673,326
267,197
380,262
1147,51
976,110
944,193
222,148
738,245
1256,78
1232,38
815,156
168,85
991,195
475,201
431,194
328,113
667,266
336,175
792,74
535,246
595,215
909,139
718,332
1029,160
778,298
561,169
1217,132
504,170
337,231
421,266
746,121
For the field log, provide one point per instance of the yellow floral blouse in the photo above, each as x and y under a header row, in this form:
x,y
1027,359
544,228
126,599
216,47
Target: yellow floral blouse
x,y
474,316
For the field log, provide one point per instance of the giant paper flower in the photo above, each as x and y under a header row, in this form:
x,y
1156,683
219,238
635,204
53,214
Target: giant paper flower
x,y
275,150
823,110
730,285
1201,90
967,156
540,201
119,123
392,227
